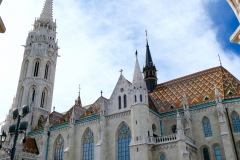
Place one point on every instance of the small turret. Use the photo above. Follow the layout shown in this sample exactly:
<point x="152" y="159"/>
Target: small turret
<point x="150" y="72"/>
<point x="138" y="85"/>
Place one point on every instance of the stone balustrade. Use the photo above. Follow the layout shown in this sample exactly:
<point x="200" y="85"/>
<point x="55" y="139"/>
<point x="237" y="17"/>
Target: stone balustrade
<point x="163" y="139"/>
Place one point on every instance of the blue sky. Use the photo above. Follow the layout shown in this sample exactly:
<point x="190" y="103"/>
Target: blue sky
<point x="224" y="20"/>
<point x="98" y="38"/>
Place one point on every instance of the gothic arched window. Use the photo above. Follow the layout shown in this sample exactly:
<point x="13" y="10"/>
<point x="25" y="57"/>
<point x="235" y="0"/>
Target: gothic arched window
<point x="140" y="98"/>
<point x="207" y="127"/>
<point x="217" y="152"/>
<point x="135" y="98"/>
<point x="36" y="69"/>
<point x="124" y="138"/>
<point x="46" y="70"/>
<point x="206" y="154"/>
<point x="125" y="101"/>
<point x="43" y="98"/>
<point x="88" y="146"/>
<point x="58" y="148"/>
<point x="235" y="122"/>
<point x="25" y="69"/>
<point x="162" y="157"/>
<point x="119" y="102"/>
<point x="32" y="94"/>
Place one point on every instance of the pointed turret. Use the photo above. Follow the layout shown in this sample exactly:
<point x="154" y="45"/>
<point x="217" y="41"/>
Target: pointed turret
<point x="217" y="94"/>
<point x="47" y="12"/>
<point x="180" y="129"/>
<point x="138" y="85"/>
<point x="138" y="80"/>
<point x="150" y="72"/>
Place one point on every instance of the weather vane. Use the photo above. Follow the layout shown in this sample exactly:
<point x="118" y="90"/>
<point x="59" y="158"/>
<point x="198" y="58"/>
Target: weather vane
<point x="220" y="60"/>
<point x="79" y="90"/>
<point x="146" y="36"/>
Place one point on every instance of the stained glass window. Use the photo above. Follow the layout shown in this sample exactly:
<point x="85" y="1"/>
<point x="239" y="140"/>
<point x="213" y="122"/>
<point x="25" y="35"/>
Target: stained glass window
<point x="88" y="146"/>
<point x="217" y="152"/>
<point x="235" y="122"/>
<point x="124" y="138"/>
<point x="162" y="157"/>
<point x="206" y="153"/>
<point x="59" y="146"/>
<point x="207" y="127"/>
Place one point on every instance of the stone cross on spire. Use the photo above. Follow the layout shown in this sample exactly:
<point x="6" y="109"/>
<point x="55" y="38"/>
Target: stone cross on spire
<point x="47" y="12"/>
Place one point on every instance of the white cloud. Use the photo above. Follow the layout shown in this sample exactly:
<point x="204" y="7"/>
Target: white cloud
<point x="98" y="38"/>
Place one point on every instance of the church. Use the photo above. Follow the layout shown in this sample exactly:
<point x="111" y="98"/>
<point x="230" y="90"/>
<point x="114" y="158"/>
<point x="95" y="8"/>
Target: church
<point x="195" y="117"/>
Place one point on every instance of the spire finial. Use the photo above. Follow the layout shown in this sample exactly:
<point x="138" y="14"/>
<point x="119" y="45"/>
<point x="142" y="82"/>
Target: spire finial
<point x="121" y="71"/>
<point x="136" y="53"/>
<point x="53" y="108"/>
<point x="220" y="60"/>
<point x="47" y="12"/>
<point x="146" y="37"/>
<point x="101" y="93"/>
<point x="79" y="90"/>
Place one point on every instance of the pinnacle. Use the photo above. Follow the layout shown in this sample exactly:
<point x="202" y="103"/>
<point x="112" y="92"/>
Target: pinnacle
<point x="47" y="12"/>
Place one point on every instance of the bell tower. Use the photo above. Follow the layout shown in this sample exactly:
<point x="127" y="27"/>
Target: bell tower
<point x="36" y="81"/>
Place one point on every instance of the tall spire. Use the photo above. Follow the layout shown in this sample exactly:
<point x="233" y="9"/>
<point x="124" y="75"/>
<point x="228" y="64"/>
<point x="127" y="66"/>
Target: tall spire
<point x="47" y="12"/>
<point x="137" y="77"/>
<point x="149" y="61"/>
<point x="150" y="72"/>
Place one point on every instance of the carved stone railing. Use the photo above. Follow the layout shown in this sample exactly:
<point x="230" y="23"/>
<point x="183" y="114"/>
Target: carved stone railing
<point x="163" y="139"/>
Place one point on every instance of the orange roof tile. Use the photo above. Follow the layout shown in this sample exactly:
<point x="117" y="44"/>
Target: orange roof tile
<point x="198" y="87"/>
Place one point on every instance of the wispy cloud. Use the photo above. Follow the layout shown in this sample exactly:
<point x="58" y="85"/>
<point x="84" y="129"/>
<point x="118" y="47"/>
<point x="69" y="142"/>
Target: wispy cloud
<point x="98" y="38"/>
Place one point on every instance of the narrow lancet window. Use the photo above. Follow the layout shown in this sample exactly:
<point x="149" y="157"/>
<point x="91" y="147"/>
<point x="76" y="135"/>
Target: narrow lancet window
<point x="33" y="94"/>
<point x="46" y="71"/>
<point x="43" y="99"/>
<point x="119" y="102"/>
<point x="140" y="98"/>
<point x="36" y="68"/>
<point x="125" y="101"/>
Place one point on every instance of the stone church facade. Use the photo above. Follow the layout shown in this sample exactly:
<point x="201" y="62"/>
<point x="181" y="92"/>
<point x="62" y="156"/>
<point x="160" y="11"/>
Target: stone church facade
<point x="195" y="117"/>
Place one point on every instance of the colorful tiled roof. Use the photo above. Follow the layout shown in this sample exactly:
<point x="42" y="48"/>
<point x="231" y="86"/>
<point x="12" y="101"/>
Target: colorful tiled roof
<point x="93" y="109"/>
<point x="198" y="87"/>
<point x="30" y="146"/>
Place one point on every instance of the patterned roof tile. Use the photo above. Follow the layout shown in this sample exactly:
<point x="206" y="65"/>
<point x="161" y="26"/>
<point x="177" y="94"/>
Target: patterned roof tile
<point x="198" y="87"/>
